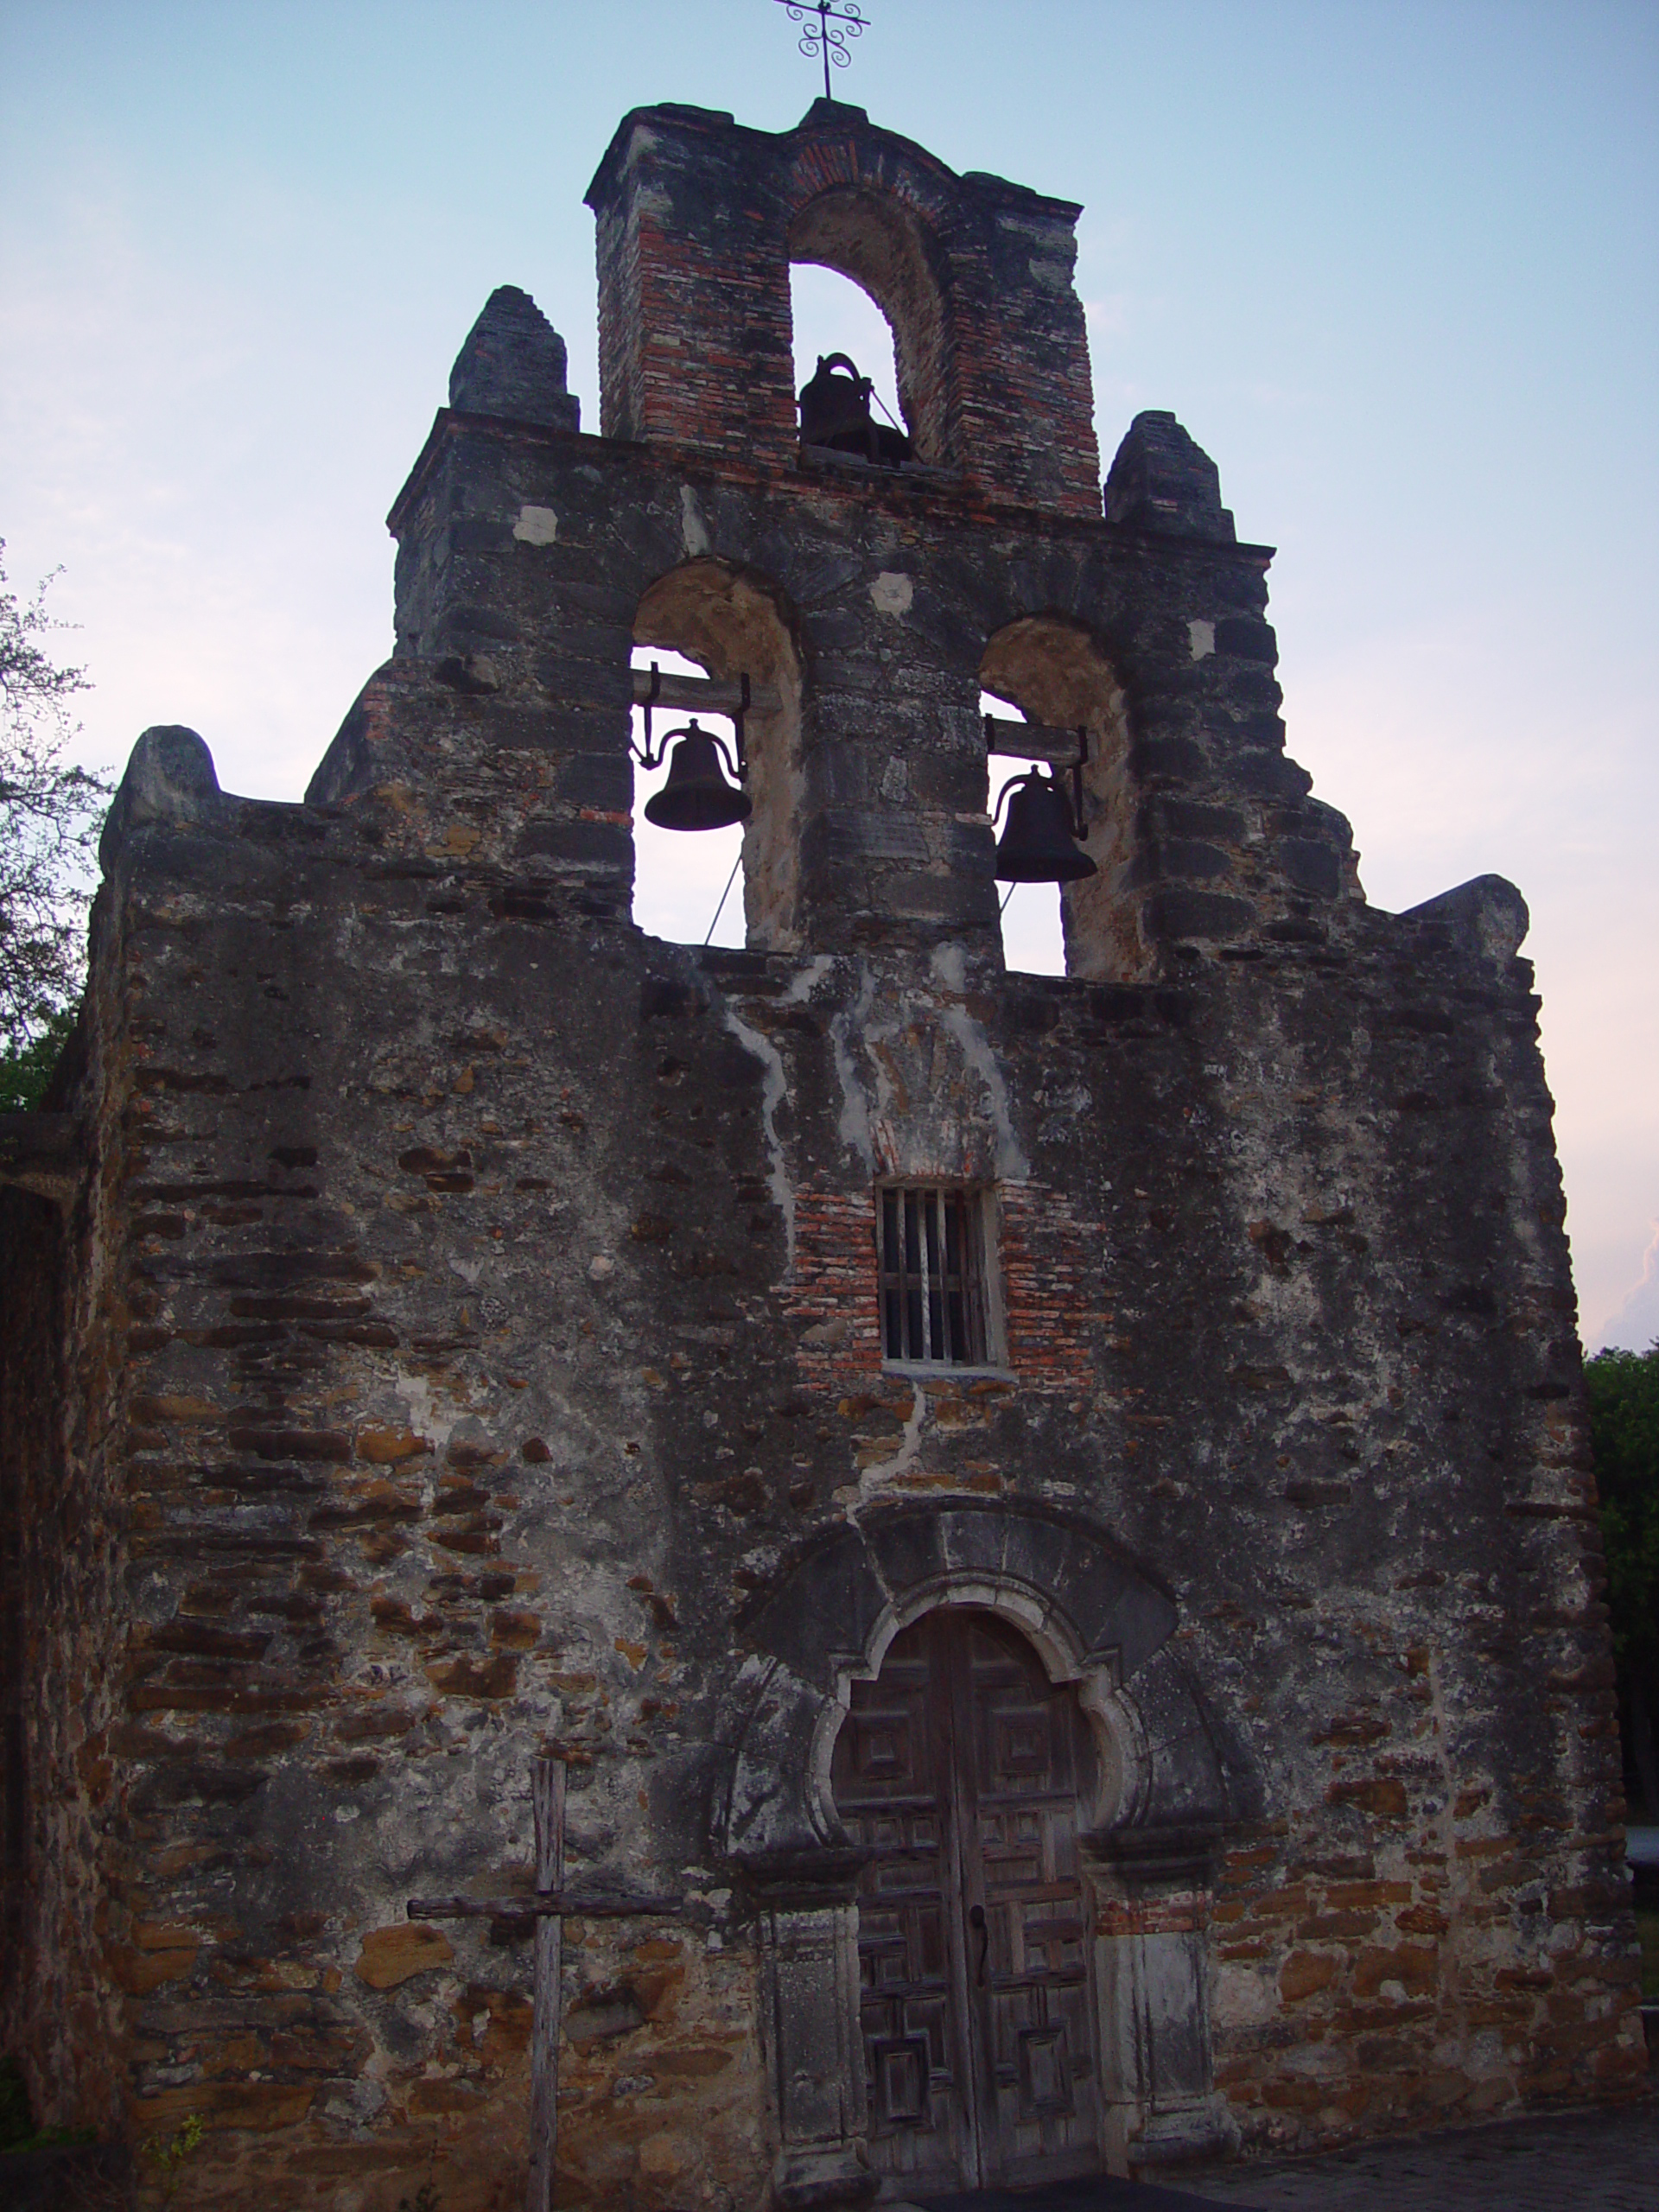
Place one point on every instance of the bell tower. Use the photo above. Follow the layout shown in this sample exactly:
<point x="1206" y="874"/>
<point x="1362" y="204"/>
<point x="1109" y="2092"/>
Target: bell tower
<point x="698" y="221"/>
<point x="1035" y="1532"/>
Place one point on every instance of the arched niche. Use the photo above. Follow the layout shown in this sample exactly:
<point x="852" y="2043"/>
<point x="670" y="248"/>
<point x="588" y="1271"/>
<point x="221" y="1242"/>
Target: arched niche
<point x="734" y="623"/>
<point x="1054" y="671"/>
<point x="876" y="242"/>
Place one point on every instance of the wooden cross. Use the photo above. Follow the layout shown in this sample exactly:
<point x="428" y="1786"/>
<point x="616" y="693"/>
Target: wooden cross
<point x="549" y="1904"/>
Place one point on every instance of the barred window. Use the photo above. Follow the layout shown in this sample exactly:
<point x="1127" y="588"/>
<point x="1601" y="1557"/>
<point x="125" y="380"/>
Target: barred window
<point x="936" y="1302"/>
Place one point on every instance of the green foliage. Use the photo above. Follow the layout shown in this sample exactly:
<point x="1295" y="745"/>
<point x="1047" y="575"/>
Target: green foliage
<point x="17" y="2120"/>
<point x="1625" y="1428"/>
<point x="49" y="815"/>
<point x="425" y="2199"/>
<point x="25" y="1070"/>
<point x="166" y="2160"/>
<point x="17" y="2128"/>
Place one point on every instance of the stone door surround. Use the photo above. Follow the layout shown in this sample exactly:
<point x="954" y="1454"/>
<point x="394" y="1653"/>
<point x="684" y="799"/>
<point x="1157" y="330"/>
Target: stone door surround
<point x="1172" y="1778"/>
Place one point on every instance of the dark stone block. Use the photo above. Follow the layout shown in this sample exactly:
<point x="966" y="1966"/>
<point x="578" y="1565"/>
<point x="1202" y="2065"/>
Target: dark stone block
<point x="825" y="1609"/>
<point x="953" y="901"/>
<point x="1187" y="857"/>
<point x="601" y="779"/>
<point x="976" y="1540"/>
<point x="466" y="622"/>
<point x="1312" y="866"/>
<point x="907" y="1549"/>
<point x="583" y="844"/>
<point x="1184" y="817"/>
<point x="846" y="838"/>
<point x="663" y="999"/>
<point x="1172" y="913"/>
<point x="1269" y="775"/>
<point x="1247" y="639"/>
<point x="1180" y="759"/>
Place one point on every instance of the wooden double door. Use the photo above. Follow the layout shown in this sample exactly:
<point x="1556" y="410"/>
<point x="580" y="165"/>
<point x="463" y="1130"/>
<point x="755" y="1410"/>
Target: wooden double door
<point x="961" y="1769"/>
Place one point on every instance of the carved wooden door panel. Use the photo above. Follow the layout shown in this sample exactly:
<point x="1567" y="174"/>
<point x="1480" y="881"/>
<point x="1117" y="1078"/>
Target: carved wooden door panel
<point x="960" y="1768"/>
<point x="892" y="1779"/>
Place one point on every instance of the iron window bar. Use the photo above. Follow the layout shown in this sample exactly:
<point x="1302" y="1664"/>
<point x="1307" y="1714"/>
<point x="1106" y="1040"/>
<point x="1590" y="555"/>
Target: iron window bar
<point x="933" y="1276"/>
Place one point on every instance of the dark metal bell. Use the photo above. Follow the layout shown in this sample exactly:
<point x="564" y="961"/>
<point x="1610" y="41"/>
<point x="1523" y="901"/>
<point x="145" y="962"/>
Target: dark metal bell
<point x="1040" y="843"/>
<point x="836" y="414"/>
<point x="696" y="795"/>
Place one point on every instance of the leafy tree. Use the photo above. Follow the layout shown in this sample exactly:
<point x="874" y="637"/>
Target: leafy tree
<point x="25" y="1072"/>
<point x="1624" y="1429"/>
<point x="50" y="815"/>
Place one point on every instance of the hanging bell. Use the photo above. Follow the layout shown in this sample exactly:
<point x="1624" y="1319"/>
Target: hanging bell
<point x="697" y="795"/>
<point x="1039" y="841"/>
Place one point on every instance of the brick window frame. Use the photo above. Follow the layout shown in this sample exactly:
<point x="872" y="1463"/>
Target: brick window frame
<point x="938" y="1297"/>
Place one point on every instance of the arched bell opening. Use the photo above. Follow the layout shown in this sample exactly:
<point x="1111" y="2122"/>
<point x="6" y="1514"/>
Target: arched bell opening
<point x="731" y="624"/>
<point x="1052" y="669"/>
<point x="876" y="244"/>
<point x="969" y="1771"/>
<point x="688" y="882"/>
<point x="1034" y="932"/>
<point x="840" y="334"/>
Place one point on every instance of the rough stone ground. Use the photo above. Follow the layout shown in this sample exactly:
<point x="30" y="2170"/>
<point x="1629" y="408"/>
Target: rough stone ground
<point x="1577" y="2162"/>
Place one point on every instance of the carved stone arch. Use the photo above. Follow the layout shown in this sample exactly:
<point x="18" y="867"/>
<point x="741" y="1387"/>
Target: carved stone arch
<point x="1098" y="1618"/>
<point x="874" y="238"/>
<point x="1055" y="669"/>
<point x="736" y="621"/>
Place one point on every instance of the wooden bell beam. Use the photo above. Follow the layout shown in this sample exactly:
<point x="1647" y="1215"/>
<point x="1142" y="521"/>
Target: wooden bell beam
<point x="702" y="695"/>
<point x="1034" y="742"/>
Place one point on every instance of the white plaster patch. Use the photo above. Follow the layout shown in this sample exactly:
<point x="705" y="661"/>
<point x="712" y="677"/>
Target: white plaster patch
<point x="424" y="1419"/>
<point x="772" y="1093"/>
<point x="910" y="1445"/>
<point x="1011" y="1162"/>
<point x="693" y="530"/>
<point x="855" y="1121"/>
<point x="949" y="965"/>
<point x="892" y="592"/>
<point x="1201" y="636"/>
<point x="535" y="526"/>
<point x="1241" y="2000"/>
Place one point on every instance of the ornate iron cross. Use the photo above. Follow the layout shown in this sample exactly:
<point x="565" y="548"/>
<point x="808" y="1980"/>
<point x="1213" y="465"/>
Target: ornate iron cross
<point x="835" y="26"/>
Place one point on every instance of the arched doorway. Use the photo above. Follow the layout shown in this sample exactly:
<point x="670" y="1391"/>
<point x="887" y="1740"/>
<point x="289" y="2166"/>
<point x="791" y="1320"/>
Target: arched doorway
<point x="962" y="1769"/>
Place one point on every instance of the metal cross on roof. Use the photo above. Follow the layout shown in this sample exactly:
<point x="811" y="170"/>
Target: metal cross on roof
<point x="828" y="38"/>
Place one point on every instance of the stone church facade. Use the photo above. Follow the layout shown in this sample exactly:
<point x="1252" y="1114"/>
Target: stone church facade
<point x="1046" y="1520"/>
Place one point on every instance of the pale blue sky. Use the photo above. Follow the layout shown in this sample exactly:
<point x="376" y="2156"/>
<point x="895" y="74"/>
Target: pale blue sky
<point x="1393" y="265"/>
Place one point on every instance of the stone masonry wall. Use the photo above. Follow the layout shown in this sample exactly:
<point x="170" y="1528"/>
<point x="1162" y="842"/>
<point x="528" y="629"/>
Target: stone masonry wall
<point x="475" y="1344"/>
<point x="471" y="1399"/>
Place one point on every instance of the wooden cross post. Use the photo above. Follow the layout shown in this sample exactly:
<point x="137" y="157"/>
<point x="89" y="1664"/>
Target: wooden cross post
<point x="549" y="1904"/>
<point x="547" y="1799"/>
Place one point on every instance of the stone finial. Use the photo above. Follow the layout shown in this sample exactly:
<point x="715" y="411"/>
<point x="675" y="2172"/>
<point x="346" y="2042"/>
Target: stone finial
<point x="1488" y="914"/>
<point x="1162" y="480"/>
<point x="513" y="364"/>
<point x="170" y="782"/>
